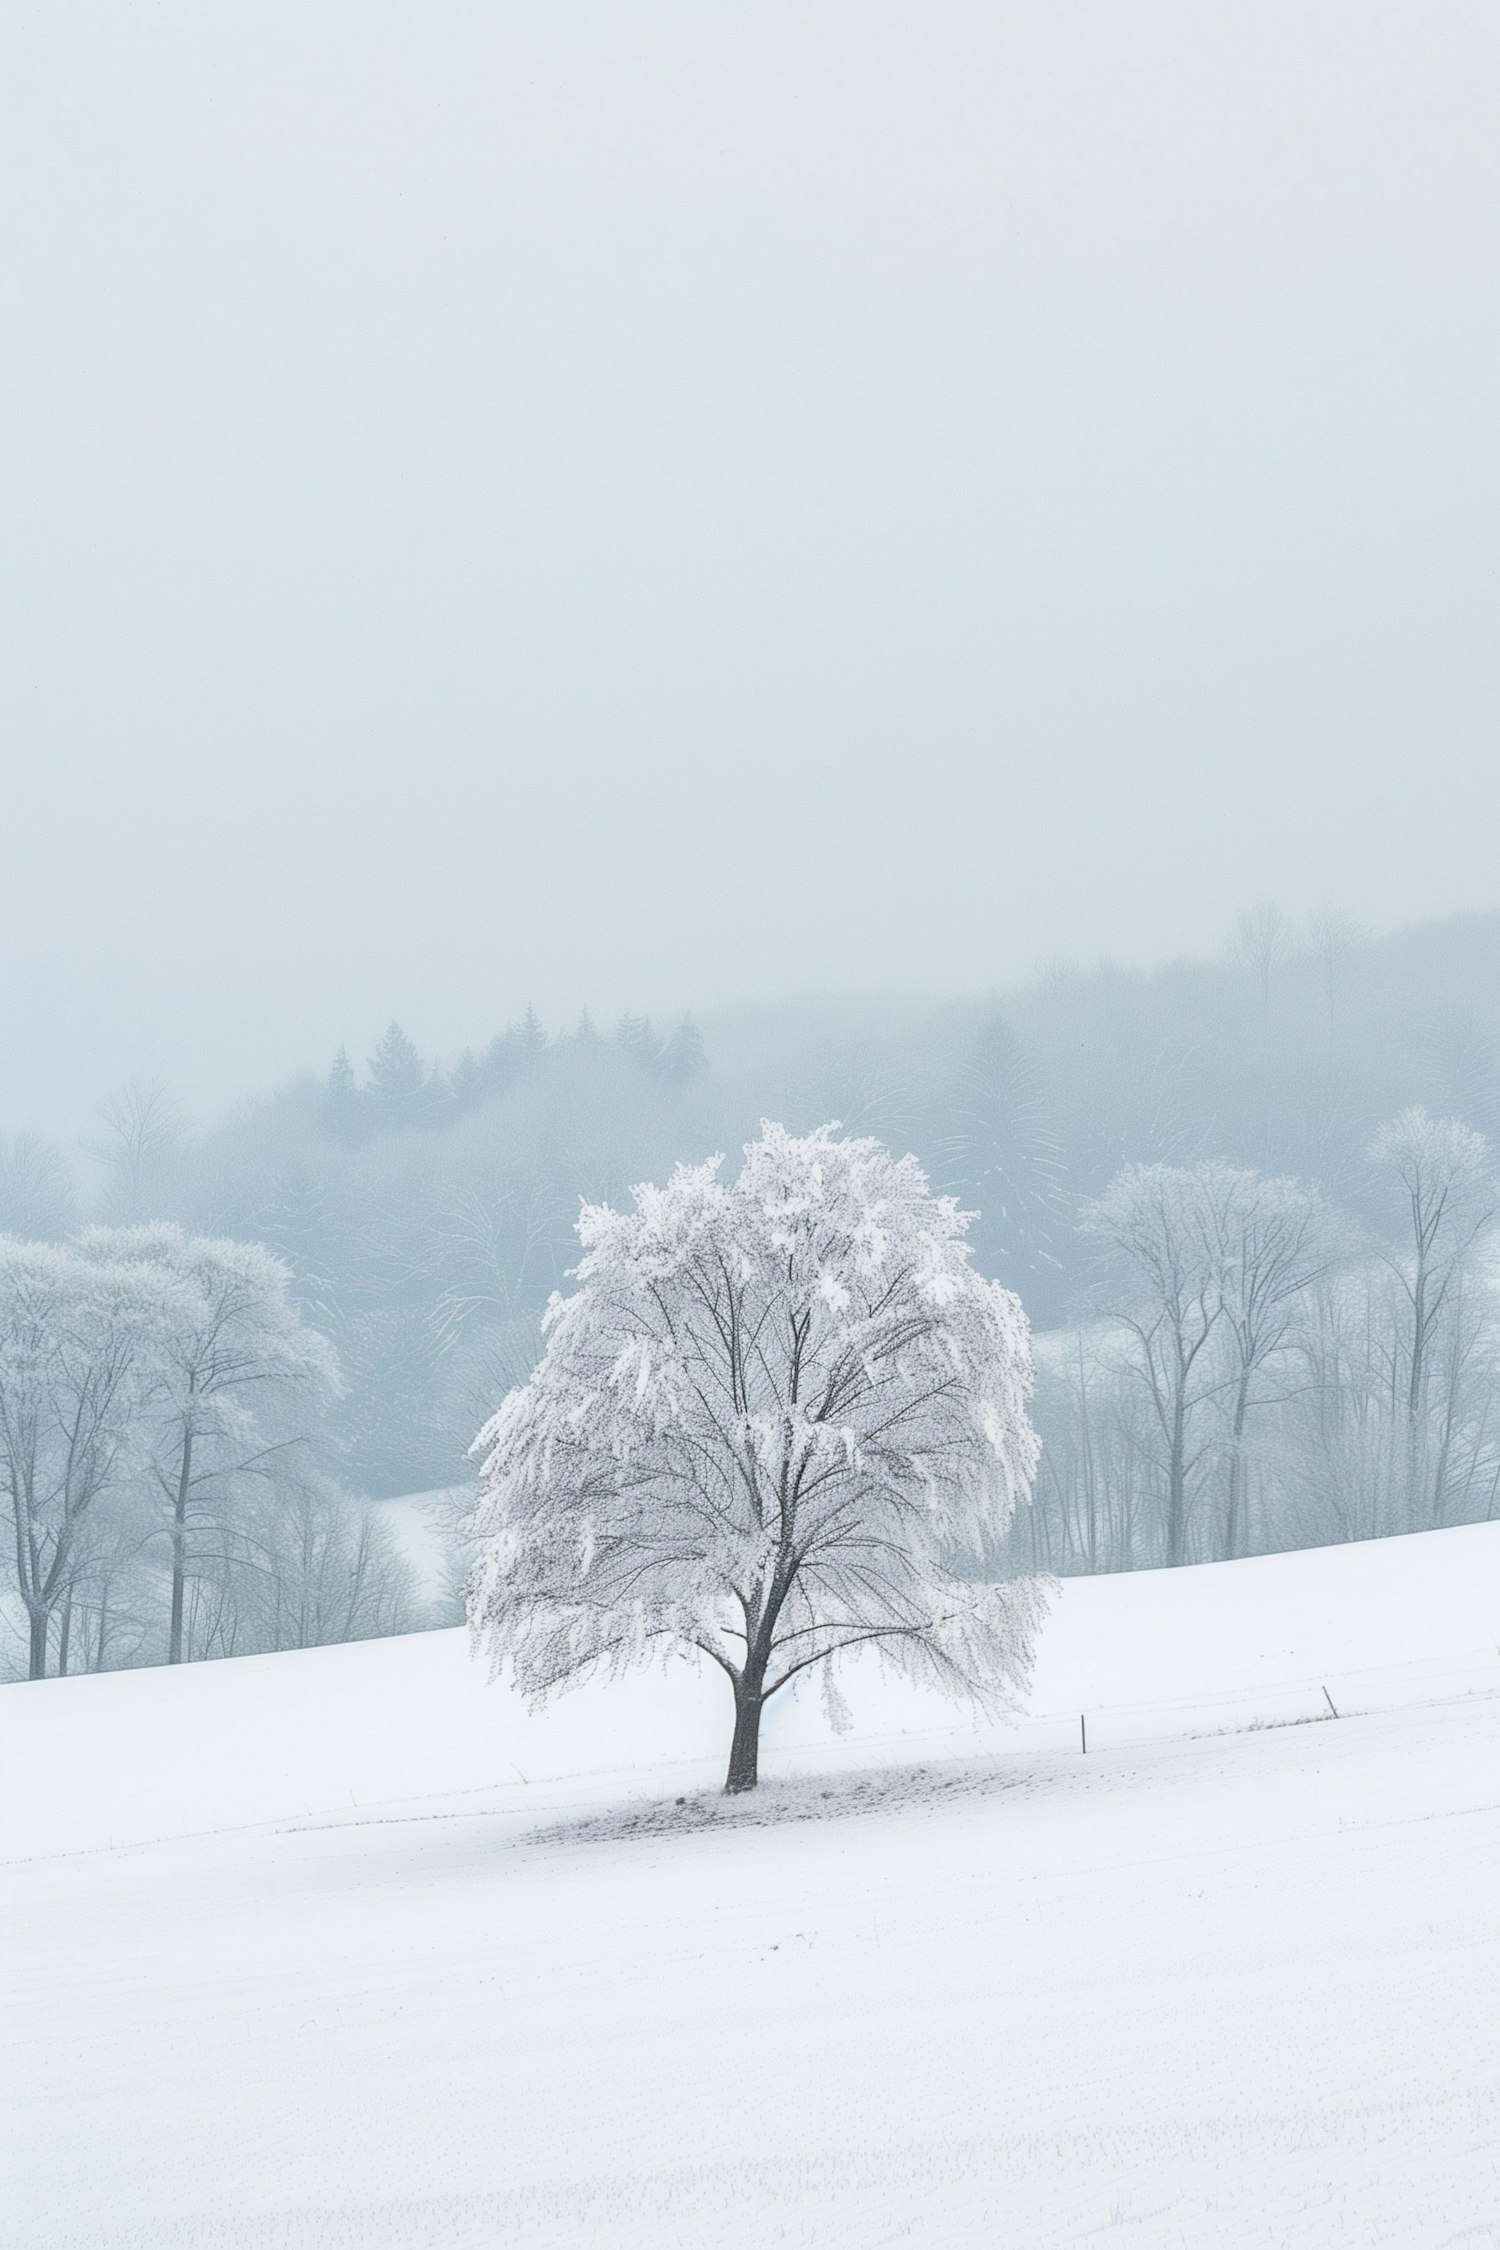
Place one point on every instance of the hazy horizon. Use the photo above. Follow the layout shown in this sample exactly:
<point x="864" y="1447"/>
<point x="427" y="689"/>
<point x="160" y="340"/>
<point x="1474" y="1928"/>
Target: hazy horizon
<point x="847" y="1014"/>
<point x="668" y="511"/>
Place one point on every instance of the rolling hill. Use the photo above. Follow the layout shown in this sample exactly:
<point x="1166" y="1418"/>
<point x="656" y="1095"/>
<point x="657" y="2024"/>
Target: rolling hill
<point x="344" y="1948"/>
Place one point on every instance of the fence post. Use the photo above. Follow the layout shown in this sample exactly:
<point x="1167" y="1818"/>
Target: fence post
<point x="1083" y="1734"/>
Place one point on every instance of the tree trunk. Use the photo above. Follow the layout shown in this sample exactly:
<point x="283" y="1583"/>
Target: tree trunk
<point x="1177" y="1487"/>
<point x="179" y="1540"/>
<point x="64" y="1634"/>
<point x="1417" y="1518"/>
<point x="744" y="1750"/>
<point x="1235" y="1528"/>
<point x="37" y="1669"/>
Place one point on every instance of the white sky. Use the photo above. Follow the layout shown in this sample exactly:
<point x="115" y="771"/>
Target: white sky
<point x="652" y="504"/>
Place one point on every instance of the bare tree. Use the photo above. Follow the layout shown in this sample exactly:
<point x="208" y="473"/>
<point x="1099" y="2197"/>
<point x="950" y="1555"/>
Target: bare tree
<point x="230" y="1344"/>
<point x="115" y="1600"/>
<point x="143" y="1134"/>
<point x="1436" y="1179"/>
<point x="1264" y="941"/>
<point x="1273" y="1240"/>
<point x="74" y="1336"/>
<point x="1156" y="1228"/>
<point x="1334" y="940"/>
<point x="1091" y="1509"/>
<point x="303" y="1564"/>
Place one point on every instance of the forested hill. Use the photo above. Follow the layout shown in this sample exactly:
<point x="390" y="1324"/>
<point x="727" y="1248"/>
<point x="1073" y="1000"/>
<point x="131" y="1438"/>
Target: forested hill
<point x="427" y="1208"/>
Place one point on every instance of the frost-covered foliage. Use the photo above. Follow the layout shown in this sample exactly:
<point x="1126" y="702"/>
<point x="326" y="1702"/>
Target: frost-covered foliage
<point x="75" y="1349"/>
<point x="428" y="1215"/>
<point x="772" y="1423"/>
<point x="427" y="1210"/>
<point x="1205" y="1266"/>
<point x="231" y="1353"/>
<point x="1262" y="1375"/>
<point x="161" y="1407"/>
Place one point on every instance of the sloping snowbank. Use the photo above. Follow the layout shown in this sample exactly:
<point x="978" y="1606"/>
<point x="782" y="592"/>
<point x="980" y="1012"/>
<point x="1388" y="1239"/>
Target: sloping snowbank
<point x="1233" y="1993"/>
<point x="127" y="1757"/>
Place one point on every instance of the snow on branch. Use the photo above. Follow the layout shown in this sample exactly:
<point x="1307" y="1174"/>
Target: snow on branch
<point x="774" y="1421"/>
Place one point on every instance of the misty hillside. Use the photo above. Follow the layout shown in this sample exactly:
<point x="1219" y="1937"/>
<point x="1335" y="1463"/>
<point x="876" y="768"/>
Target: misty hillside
<point x="427" y="1209"/>
<point x="750" y="1126"/>
<point x="1279" y="1121"/>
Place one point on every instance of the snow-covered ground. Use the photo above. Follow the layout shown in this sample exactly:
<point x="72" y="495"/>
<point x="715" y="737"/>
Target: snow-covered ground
<point x="343" y="1948"/>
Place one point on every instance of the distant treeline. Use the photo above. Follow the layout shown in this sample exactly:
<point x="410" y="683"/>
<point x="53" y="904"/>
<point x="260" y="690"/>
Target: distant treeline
<point x="426" y="1211"/>
<point x="164" y="1465"/>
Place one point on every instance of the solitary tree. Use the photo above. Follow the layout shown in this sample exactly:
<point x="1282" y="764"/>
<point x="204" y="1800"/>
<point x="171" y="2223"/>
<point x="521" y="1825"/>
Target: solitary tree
<point x="771" y="1424"/>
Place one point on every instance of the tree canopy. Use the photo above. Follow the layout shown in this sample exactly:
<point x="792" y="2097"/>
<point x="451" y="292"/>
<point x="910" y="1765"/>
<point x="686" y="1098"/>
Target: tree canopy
<point x="773" y="1422"/>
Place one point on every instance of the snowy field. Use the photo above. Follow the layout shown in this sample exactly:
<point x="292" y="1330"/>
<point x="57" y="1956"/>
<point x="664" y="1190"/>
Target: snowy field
<point x="343" y="1949"/>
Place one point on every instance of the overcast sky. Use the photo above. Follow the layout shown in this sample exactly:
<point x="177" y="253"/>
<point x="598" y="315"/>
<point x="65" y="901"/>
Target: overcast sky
<point x="655" y="504"/>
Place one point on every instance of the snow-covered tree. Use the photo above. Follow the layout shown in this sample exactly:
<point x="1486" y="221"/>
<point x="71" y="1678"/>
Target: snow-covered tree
<point x="1207" y="1268"/>
<point x="1437" y="1180"/>
<point x="75" y="1338"/>
<point x="772" y="1423"/>
<point x="1274" y="1240"/>
<point x="231" y="1350"/>
<point x="1155" y="1226"/>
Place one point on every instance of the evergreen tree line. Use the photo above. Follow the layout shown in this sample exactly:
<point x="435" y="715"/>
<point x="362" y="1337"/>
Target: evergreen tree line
<point x="400" y="1090"/>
